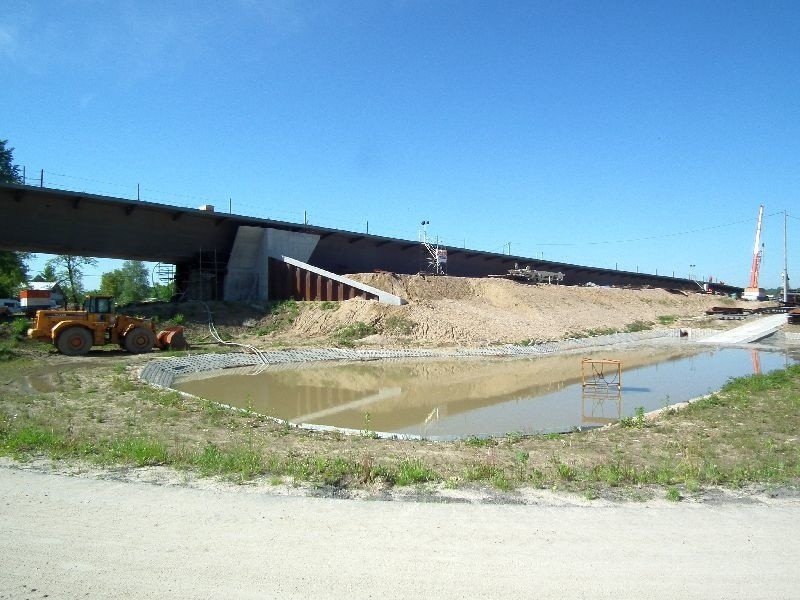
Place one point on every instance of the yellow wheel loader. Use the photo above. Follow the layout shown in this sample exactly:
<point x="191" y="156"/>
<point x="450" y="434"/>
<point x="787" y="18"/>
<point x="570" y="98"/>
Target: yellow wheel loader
<point x="74" y="332"/>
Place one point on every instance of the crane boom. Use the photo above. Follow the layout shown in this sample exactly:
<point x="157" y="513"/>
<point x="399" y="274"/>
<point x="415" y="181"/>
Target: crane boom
<point x="753" y="292"/>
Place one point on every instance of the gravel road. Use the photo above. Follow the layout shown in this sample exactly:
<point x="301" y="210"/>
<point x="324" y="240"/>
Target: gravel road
<point x="84" y="537"/>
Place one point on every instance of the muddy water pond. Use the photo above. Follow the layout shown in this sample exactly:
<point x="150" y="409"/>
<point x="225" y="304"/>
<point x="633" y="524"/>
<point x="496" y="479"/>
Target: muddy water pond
<point x="445" y="399"/>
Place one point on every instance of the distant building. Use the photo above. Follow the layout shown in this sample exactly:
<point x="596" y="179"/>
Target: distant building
<point x="56" y="293"/>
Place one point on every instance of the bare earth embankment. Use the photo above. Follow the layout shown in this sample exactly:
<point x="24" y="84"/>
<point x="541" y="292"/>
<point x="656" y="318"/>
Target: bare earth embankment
<point x="460" y="311"/>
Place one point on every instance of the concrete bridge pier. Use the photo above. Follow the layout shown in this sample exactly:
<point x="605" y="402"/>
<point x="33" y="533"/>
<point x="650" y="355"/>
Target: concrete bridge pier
<point x="247" y="278"/>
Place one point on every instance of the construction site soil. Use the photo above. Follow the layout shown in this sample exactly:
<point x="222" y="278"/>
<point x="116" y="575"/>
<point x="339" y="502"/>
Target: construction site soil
<point x="460" y="311"/>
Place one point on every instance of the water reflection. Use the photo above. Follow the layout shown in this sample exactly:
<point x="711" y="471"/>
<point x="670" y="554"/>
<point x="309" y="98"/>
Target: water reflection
<point x="600" y="405"/>
<point x="456" y="398"/>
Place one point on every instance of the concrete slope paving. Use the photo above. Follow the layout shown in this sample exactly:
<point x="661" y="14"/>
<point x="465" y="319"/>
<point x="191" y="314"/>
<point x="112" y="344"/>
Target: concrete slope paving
<point x="749" y="332"/>
<point x="76" y="537"/>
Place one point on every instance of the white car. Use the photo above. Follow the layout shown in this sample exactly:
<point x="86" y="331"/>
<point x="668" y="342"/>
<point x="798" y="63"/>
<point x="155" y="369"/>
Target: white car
<point x="8" y="306"/>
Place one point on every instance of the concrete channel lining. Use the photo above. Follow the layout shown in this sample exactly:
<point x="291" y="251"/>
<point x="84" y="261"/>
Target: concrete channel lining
<point x="164" y="372"/>
<point x="749" y="332"/>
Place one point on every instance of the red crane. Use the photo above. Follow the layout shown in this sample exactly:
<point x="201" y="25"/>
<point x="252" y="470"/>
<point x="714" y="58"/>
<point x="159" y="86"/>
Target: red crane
<point x="753" y="292"/>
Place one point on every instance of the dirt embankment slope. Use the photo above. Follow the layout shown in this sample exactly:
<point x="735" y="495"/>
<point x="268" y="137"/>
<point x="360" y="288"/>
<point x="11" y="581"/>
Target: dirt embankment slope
<point x="477" y="311"/>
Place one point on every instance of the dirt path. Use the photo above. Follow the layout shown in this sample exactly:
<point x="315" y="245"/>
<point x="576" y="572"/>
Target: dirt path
<point x="71" y="537"/>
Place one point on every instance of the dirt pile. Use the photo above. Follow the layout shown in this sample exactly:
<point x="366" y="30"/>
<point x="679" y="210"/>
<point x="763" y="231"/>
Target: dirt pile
<point x="478" y="311"/>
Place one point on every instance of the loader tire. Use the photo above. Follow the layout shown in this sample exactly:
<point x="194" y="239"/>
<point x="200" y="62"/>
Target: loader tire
<point x="74" y="341"/>
<point x="139" y="340"/>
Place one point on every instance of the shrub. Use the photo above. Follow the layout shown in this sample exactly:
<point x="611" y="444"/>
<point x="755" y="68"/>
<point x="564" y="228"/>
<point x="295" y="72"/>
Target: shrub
<point x="348" y="334"/>
<point x="399" y="325"/>
<point x="637" y="326"/>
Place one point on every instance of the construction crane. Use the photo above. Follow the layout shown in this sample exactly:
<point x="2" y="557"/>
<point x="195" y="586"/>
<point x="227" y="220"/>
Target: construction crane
<point x="752" y="291"/>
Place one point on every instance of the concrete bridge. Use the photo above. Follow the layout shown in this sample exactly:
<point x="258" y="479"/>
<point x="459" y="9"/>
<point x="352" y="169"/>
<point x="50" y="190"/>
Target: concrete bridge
<point x="225" y="256"/>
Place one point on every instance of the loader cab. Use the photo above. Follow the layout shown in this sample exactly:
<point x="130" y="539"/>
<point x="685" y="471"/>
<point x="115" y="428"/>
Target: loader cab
<point x="99" y="304"/>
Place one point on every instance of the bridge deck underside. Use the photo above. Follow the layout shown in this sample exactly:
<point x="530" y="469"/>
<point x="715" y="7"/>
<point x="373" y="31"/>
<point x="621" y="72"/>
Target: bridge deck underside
<point x="62" y="222"/>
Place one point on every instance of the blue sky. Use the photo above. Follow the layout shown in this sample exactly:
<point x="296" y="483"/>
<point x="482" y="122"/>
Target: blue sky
<point x="642" y="135"/>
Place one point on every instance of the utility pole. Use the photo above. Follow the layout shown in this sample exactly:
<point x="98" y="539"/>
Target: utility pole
<point x="785" y="264"/>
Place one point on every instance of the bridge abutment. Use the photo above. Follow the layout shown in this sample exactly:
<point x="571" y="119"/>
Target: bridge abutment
<point x="247" y="277"/>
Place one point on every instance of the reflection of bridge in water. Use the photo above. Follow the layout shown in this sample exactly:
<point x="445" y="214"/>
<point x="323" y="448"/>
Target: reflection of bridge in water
<point x="405" y="395"/>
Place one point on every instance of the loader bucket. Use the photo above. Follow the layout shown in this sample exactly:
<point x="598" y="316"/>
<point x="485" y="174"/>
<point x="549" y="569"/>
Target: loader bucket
<point x="172" y="338"/>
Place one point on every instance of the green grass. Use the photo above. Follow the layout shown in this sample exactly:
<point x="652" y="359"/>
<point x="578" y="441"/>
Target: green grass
<point x="31" y="438"/>
<point x="411" y="472"/>
<point x="744" y="433"/>
<point x="577" y="335"/>
<point x="35" y="439"/>
<point x="347" y="335"/>
<point x="398" y="325"/>
<point x="494" y="475"/>
<point x="480" y="442"/>
<point x="289" y="308"/>
<point x="238" y="461"/>
<point x="673" y="495"/>
<point x="140" y="451"/>
<point x="666" y="319"/>
<point x="601" y="331"/>
<point x="514" y="437"/>
<point x="638" y="326"/>
<point x="282" y="314"/>
<point x="635" y="421"/>
<point x="8" y="352"/>
<point x="12" y="336"/>
<point x="777" y="380"/>
<point x="19" y="327"/>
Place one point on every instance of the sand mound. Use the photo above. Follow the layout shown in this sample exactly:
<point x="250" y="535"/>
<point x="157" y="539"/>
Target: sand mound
<point x="478" y="311"/>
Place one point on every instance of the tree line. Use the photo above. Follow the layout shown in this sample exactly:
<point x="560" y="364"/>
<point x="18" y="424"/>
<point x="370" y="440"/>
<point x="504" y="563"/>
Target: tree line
<point x="128" y="284"/>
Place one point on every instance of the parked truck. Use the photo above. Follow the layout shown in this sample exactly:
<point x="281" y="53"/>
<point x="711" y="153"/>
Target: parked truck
<point x="74" y="332"/>
<point x="32" y="300"/>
